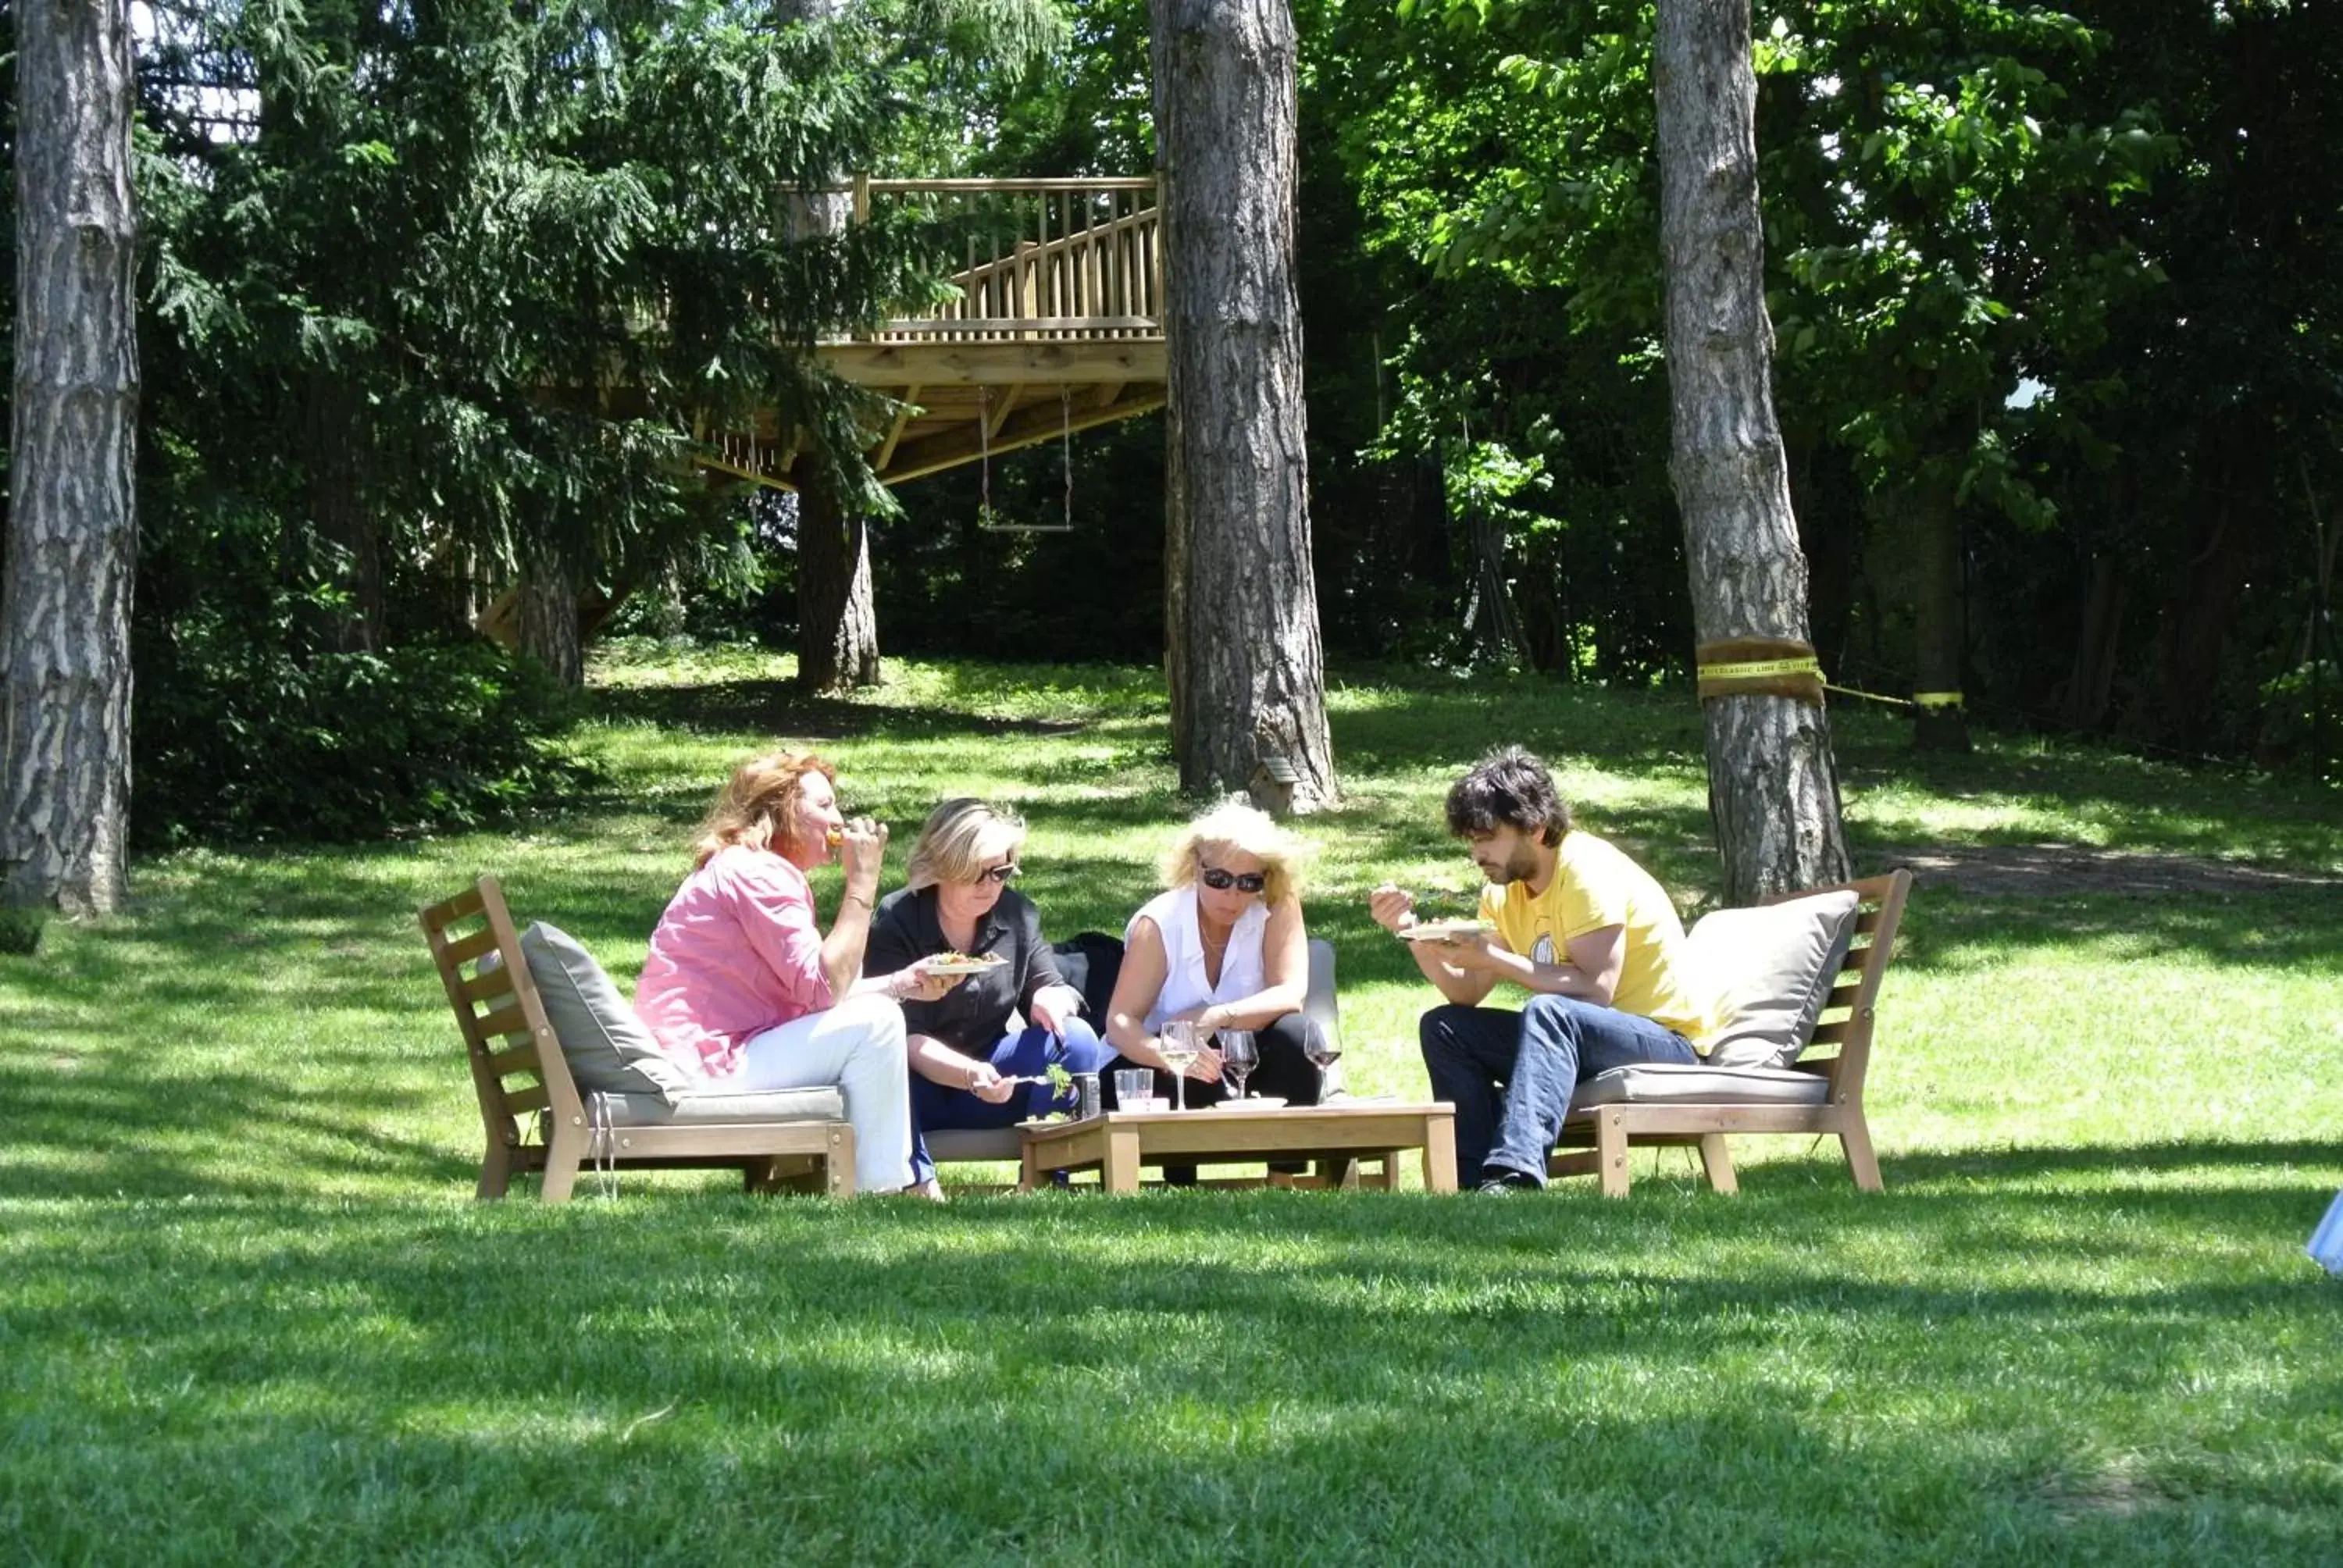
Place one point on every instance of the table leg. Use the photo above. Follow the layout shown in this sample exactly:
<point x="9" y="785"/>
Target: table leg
<point x="1440" y="1153"/>
<point x="1119" y="1171"/>
<point x="1028" y="1169"/>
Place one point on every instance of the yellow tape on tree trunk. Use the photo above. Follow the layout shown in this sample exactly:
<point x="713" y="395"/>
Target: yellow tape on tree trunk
<point x="1760" y="669"/>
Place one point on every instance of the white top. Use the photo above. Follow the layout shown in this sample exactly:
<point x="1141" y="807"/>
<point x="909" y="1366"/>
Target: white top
<point x="1242" y="971"/>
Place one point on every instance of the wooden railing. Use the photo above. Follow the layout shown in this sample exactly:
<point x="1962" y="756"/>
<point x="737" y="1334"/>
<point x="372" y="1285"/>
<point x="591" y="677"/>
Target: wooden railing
<point x="1044" y="260"/>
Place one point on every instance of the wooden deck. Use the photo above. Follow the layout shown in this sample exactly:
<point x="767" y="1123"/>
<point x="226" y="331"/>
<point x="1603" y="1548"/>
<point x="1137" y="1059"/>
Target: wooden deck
<point x="1053" y="325"/>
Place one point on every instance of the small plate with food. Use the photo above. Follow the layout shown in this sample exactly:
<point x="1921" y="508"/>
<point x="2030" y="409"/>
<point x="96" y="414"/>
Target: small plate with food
<point x="1446" y="930"/>
<point x="962" y="963"/>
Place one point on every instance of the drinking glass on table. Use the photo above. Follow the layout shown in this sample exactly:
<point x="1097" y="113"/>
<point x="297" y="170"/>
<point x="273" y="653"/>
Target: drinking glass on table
<point x="1320" y="1048"/>
<point x="1239" y="1056"/>
<point x="1181" y="1043"/>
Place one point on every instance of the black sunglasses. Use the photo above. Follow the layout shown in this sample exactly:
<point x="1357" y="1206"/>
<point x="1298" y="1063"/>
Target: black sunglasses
<point x="1243" y="881"/>
<point x="1001" y="873"/>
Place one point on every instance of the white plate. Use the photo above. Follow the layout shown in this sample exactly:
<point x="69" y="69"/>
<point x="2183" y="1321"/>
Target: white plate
<point x="1446" y="930"/>
<point x="971" y="966"/>
<point x="1258" y="1103"/>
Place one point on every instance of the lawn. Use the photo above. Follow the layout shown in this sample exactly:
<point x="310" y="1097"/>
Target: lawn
<point x="248" y="1311"/>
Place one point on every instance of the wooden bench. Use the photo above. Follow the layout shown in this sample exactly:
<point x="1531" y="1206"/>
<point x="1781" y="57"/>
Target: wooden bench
<point x="536" y="1117"/>
<point x="1822" y="1094"/>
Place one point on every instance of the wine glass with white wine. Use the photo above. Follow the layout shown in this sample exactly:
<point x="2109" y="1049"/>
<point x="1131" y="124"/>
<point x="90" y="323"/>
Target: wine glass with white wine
<point x="1180" y="1044"/>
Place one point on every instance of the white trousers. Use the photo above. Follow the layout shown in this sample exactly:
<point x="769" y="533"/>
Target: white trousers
<point x="856" y="1045"/>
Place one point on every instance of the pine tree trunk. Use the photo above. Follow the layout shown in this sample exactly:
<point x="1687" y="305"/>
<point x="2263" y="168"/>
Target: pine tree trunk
<point x="838" y="613"/>
<point x="545" y="627"/>
<point x="335" y="436"/>
<point x="837" y="620"/>
<point x="65" y="615"/>
<point x="1772" y="788"/>
<point x="1240" y="613"/>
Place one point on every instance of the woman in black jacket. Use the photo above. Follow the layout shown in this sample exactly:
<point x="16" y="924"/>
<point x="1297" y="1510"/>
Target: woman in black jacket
<point x="970" y="1067"/>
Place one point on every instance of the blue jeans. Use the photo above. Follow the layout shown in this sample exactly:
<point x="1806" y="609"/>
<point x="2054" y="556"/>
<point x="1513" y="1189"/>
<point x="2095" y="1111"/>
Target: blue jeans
<point x="1025" y="1054"/>
<point x="1510" y="1074"/>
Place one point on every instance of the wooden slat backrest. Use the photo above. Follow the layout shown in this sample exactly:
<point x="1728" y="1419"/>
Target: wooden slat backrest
<point x="1850" y="1014"/>
<point x="506" y="1032"/>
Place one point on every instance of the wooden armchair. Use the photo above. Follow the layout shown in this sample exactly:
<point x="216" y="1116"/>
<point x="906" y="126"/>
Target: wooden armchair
<point x="1821" y="1094"/>
<point x="535" y="1119"/>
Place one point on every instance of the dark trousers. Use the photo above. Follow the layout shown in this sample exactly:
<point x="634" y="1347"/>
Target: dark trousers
<point x="1027" y="1053"/>
<point x="1285" y="1069"/>
<point x="1510" y="1074"/>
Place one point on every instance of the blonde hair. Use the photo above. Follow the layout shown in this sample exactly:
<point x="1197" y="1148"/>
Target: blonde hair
<point x="1246" y="830"/>
<point x="758" y="801"/>
<point x="958" y="837"/>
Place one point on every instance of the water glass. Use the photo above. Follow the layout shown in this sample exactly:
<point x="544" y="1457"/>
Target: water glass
<point x="1134" y="1087"/>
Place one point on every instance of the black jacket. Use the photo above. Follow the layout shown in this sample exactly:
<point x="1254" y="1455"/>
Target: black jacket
<point x="974" y="1014"/>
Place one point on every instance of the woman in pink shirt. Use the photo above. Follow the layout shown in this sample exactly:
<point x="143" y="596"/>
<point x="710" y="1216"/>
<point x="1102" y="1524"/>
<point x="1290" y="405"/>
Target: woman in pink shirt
<point x="744" y="989"/>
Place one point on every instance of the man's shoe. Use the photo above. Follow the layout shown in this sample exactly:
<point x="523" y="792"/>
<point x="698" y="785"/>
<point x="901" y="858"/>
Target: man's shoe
<point x="1509" y="1182"/>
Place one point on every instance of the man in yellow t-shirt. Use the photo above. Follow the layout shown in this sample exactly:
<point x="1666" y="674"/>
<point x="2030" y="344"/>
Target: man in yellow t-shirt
<point x="1579" y="925"/>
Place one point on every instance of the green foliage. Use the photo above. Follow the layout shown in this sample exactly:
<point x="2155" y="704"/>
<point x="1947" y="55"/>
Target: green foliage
<point x="20" y="930"/>
<point x="239" y="741"/>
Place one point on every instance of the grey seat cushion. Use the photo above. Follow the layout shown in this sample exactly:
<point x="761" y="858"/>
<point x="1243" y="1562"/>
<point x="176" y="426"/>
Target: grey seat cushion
<point x="1768" y="971"/>
<point x="1696" y="1083"/>
<point x="705" y="1108"/>
<point x="606" y="1046"/>
<point x="948" y="1143"/>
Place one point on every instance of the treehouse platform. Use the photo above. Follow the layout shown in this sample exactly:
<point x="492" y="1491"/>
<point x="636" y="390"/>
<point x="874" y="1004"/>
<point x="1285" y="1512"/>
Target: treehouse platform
<point x="1053" y="325"/>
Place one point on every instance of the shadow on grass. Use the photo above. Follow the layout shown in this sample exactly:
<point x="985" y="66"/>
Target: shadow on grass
<point x="778" y="709"/>
<point x="1198" y="1377"/>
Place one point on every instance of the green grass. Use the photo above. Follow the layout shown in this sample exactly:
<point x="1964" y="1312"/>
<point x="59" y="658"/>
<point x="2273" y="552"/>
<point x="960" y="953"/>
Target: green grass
<point x="248" y="1311"/>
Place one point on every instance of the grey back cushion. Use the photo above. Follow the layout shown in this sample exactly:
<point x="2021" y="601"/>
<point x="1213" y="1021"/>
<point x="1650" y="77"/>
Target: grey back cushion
<point x="1768" y="972"/>
<point x="608" y="1050"/>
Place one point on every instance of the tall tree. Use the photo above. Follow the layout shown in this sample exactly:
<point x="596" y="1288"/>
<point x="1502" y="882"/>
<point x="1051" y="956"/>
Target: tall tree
<point x="64" y="614"/>
<point x="838" y="621"/>
<point x="1240" y="613"/>
<point x="1772" y="788"/>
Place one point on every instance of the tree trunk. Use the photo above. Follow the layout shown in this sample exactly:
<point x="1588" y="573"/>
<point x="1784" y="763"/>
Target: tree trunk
<point x="546" y="623"/>
<point x="1772" y="788"/>
<point x="64" y="614"/>
<point x="1940" y="622"/>
<point x="837" y="620"/>
<point x="838" y="613"/>
<point x="1240" y="611"/>
<point x="335" y="436"/>
<point x="2090" y="685"/>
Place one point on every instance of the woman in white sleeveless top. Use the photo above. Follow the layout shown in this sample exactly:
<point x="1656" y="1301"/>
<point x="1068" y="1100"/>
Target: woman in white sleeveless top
<point x="1224" y="947"/>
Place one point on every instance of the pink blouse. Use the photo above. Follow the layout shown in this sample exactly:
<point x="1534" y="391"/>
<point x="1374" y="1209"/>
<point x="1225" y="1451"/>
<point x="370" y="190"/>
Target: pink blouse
<point x="737" y="952"/>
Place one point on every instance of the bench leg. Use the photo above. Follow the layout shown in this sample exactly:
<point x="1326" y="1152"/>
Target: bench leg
<point x="496" y="1171"/>
<point x="1719" y="1163"/>
<point x="1854" y="1137"/>
<point x="1611" y="1153"/>
<point x="565" y="1151"/>
<point x="838" y="1168"/>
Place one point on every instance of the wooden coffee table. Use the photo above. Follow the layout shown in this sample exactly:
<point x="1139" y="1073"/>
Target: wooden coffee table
<point x="1120" y="1142"/>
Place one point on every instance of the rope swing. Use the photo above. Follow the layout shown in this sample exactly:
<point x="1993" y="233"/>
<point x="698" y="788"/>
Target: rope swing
<point x="987" y="518"/>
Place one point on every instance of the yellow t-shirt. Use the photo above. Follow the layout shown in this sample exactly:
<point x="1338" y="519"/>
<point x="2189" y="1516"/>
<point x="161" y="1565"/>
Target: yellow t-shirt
<point x="1594" y="885"/>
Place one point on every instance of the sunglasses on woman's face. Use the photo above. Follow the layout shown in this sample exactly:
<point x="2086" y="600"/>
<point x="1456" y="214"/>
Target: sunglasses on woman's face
<point x="1220" y="882"/>
<point x="1000" y="873"/>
